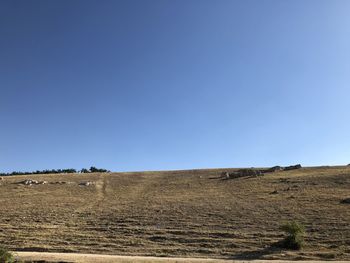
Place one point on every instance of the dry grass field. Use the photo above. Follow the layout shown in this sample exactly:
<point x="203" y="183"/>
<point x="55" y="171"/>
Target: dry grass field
<point x="192" y="213"/>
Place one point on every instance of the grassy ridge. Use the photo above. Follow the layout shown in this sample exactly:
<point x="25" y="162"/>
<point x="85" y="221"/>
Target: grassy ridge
<point x="179" y="213"/>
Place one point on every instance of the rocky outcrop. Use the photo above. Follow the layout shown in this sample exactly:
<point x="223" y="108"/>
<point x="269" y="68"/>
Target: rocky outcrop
<point x="243" y="173"/>
<point x="257" y="172"/>
<point x="88" y="183"/>
<point x="31" y="182"/>
<point x="274" y="169"/>
<point x="292" y="167"/>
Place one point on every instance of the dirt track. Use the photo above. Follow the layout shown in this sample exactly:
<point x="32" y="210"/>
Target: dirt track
<point x="91" y="258"/>
<point x="95" y="258"/>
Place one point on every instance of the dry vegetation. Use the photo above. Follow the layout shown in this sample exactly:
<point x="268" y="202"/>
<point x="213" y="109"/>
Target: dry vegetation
<point x="179" y="213"/>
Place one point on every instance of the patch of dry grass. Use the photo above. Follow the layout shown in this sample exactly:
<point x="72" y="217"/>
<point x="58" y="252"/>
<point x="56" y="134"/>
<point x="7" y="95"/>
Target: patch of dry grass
<point x="179" y="213"/>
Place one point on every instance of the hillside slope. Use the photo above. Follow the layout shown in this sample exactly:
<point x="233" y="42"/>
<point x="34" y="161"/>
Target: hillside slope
<point x="191" y="213"/>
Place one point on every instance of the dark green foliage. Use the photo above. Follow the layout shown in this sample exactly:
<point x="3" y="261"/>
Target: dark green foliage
<point x="96" y="170"/>
<point x="6" y="256"/>
<point x="93" y="170"/>
<point x="295" y="235"/>
<point x="58" y="171"/>
<point x="53" y="171"/>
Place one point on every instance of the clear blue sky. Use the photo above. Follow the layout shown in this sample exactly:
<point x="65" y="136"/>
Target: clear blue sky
<point x="159" y="84"/>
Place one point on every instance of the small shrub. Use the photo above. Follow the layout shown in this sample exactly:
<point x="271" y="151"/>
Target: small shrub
<point x="6" y="256"/>
<point x="345" y="201"/>
<point x="295" y="235"/>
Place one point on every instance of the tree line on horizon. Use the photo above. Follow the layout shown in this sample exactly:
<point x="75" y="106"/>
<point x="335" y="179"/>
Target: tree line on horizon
<point x="92" y="169"/>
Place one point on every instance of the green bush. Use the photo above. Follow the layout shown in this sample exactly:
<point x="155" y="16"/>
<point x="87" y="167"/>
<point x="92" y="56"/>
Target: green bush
<point x="295" y="235"/>
<point x="6" y="256"/>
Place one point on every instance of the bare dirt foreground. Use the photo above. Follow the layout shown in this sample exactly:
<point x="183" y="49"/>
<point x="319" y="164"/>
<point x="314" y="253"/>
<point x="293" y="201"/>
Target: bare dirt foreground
<point x="191" y="214"/>
<point x="94" y="258"/>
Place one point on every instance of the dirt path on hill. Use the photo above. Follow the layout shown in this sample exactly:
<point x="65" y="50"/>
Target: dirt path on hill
<point x="98" y="258"/>
<point x="101" y="188"/>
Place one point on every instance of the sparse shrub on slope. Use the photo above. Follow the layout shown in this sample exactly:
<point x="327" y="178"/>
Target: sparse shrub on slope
<point x="96" y="170"/>
<point x="345" y="201"/>
<point x="295" y="235"/>
<point x="6" y="256"/>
